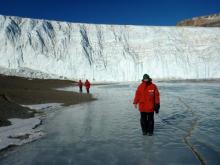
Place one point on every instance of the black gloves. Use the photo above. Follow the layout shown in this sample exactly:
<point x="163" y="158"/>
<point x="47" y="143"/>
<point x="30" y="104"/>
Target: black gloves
<point x="156" y="108"/>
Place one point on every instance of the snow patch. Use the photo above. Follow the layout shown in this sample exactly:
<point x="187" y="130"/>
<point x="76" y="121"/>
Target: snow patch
<point x="30" y="73"/>
<point x="20" y="132"/>
<point x="47" y="106"/>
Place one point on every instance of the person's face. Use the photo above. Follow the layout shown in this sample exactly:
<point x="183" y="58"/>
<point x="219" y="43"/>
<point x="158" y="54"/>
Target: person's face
<point x="145" y="80"/>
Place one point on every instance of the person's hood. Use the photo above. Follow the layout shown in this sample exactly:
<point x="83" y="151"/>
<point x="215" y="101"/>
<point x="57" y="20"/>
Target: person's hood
<point x="150" y="80"/>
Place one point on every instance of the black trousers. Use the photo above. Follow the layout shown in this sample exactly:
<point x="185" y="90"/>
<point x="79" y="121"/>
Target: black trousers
<point x="80" y="89"/>
<point x="87" y="89"/>
<point x="147" y="122"/>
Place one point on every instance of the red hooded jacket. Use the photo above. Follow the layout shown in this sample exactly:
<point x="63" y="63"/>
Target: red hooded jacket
<point x="87" y="84"/>
<point x="146" y="96"/>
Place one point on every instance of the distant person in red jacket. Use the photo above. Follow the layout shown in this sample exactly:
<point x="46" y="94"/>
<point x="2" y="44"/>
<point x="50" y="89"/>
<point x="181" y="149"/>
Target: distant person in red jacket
<point x="87" y="85"/>
<point x="147" y="97"/>
<point x="80" y="84"/>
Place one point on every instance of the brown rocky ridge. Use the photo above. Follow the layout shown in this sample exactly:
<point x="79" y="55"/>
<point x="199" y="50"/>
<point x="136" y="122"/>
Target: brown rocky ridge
<point x="203" y="21"/>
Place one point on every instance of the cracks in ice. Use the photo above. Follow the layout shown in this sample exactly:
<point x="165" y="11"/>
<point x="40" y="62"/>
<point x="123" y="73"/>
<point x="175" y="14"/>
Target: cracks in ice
<point x="101" y="47"/>
<point x="86" y="44"/>
<point x="49" y="30"/>
<point x="13" y="31"/>
<point x="189" y="133"/>
<point x="41" y="41"/>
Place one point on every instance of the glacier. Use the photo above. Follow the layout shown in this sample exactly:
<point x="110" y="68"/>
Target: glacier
<point x="107" y="52"/>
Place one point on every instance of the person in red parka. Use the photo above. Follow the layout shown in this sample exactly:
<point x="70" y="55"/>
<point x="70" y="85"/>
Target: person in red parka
<point x="80" y="84"/>
<point x="147" y="98"/>
<point x="87" y="85"/>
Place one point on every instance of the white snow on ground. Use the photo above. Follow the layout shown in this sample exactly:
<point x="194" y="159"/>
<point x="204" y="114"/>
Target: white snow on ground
<point x="20" y="132"/>
<point x="46" y="106"/>
<point x="27" y="72"/>
<point x="71" y="88"/>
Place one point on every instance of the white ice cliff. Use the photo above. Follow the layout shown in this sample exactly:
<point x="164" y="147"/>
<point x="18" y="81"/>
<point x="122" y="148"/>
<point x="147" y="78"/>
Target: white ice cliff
<point x="107" y="52"/>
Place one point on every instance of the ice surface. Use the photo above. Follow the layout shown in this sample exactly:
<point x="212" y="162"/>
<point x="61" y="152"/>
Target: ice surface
<point x="107" y="131"/>
<point x="107" y="52"/>
<point x="20" y="132"/>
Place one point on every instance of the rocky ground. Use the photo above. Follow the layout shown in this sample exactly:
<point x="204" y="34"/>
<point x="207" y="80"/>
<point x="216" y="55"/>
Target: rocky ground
<point x="16" y="91"/>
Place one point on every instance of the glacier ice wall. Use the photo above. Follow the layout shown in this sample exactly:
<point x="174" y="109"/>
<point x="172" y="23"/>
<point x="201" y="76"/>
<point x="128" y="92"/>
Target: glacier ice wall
<point x="109" y="52"/>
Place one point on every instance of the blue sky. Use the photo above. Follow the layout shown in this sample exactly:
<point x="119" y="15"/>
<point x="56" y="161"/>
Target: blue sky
<point x="132" y="12"/>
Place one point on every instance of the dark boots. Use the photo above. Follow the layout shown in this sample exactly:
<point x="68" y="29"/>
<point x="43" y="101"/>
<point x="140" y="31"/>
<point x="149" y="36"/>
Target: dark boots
<point x="147" y="123"/>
